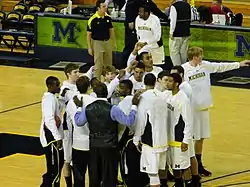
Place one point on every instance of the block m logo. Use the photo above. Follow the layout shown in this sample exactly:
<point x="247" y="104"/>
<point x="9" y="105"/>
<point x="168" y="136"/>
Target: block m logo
<point x="241" y="44"/>
<point x="68" y="32"/>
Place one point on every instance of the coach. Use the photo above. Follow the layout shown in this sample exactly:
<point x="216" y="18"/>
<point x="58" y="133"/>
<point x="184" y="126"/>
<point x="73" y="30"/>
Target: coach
<point x="99" y="32"/>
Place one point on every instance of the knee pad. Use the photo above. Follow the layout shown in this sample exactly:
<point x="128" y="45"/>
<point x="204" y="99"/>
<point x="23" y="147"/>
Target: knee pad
<point x="154" y="179"/>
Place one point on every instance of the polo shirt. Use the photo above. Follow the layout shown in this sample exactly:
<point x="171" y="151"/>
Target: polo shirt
<point x="99" y="26"/>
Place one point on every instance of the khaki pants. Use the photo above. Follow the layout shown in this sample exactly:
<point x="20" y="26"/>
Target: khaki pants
<point x="178" y="47"/>
<point x="102" y="56"/>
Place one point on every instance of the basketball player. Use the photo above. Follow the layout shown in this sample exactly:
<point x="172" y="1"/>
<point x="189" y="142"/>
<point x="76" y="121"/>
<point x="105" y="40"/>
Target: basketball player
<point x="51" y="134"/>
<point x="68" y="90"/>
<point x="151" y="131"/>
<point x="180" y="132"/>
<point x="137" y="77"/>
<point x="146" y="58"/>
<point x="103" y="119"/>
<point x="109" y="73"/>
<point x="197" y="73"/>
<point x="187" y="89"/>
<point x="162" y="80"/>
<point x="80" y="152"/>
<point x="148" y="30"/>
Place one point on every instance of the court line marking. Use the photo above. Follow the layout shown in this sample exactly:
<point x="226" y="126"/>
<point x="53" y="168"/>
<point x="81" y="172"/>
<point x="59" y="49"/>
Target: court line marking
<point x="224" y="176"/>
<point x="234" y="184"/>
<point x="234" y="181"/>
<point x="19" y="107"/>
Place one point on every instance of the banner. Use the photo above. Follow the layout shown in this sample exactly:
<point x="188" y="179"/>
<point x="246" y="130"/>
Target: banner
<point x="218" y="45"/>
<point x="61" y="32"/>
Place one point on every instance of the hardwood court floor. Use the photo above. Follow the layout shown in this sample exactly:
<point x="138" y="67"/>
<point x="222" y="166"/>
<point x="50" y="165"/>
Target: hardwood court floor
<point x="227" y="152"/>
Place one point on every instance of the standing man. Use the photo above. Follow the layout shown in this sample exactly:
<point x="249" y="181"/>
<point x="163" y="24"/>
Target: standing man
<point x="103" y="119"/>
<point x="180" y="132"/>
<point x="149" y="32"/>
<point x="68" y="90"/>
<point x="131" y="11"/>
<point x="51" y="134"/>
<point x="151" y="131"/>
<point x="197" y="73"/>
<point x="80" y="143"/>
<point x="99" y="32"/>
<point x="180" y="17"/>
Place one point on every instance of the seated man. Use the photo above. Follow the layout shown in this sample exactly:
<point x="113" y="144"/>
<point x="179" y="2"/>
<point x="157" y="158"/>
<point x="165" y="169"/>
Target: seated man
<point x="235" y="19"/>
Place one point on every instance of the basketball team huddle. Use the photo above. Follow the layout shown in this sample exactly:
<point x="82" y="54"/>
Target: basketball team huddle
<point x="142" y="123"/>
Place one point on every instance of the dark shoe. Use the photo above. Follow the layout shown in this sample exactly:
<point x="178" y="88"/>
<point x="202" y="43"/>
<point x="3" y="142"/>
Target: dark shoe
<point x="204" y="172"/>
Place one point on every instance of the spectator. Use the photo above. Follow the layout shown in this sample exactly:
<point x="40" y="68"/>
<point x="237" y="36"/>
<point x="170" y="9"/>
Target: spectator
<point x="235" y="19"/>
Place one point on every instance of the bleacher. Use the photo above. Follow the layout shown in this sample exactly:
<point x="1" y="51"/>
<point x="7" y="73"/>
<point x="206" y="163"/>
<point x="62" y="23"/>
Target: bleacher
<point x="17" y="25"/>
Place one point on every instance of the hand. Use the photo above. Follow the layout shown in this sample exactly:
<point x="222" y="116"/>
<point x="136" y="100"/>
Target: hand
<point x="138" y="46"/>
<point x="244" y="63"/>
<point x="133" y="64"/>
<point x="64" y="91"/>
<point x="131" y="25"/>
<point x="78" y="102"/>
<point x="122" y="73"/>
<point x="140" y="91"/>
<point x="142" y="44"/>
<point x="90" y="51"/>
<point x="136" y="99"/>
<point x="59" y="144"/>
<point x="184" y="147"/>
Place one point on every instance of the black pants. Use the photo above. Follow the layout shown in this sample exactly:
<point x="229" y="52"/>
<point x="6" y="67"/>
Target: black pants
<point x="135" y="177"/>
<point x="80" y="162"/>
<point x="103" y="166"/>
<point x="54" y="162"/>
<point x="130" y="41"/>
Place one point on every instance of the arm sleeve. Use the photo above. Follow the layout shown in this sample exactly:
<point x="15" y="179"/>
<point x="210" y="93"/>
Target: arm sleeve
<point x="110" y="25"/>
<point x="80" y="117"/>
<point x="130" y="59"/>
<point x="156" y="32"/>
<point x="118" y="115"/>
<point x="112" y="86"/>
<point x="89" y="26"/>
<point x="140" y="121"/>
<point x="49" y="117"/>
<point x="186" y="114"/>
<point x="222" y="67"/>
<point x="173" y="19"/>
<point x="90" y="73"/>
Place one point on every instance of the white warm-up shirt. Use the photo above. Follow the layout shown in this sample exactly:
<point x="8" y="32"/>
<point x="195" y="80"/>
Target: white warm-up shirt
<point x="148" y="30"/>
<point x="181" y="120"/>
<point x="50" y="109"/>
<point x="152" y="110"/>
<point x="199" y="79"/>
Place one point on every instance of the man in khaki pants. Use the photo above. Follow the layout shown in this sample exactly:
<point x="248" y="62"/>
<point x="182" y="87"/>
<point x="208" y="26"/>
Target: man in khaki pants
<point x="180" y="19"/>
<point x="99" y="32"/>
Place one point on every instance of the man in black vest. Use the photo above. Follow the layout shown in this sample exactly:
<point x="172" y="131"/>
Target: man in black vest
<point x="103" y="119"/>
<point x="180" y="19"/>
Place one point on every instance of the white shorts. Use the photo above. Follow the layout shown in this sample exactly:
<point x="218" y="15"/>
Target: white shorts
<point x="67" y="146"/>
<point x="179" y="160"/>
<point x="191" y="148"/>
<point x="158" y="54"/>
<point x="201" y="124"/>
<point x="151" y="161"/>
